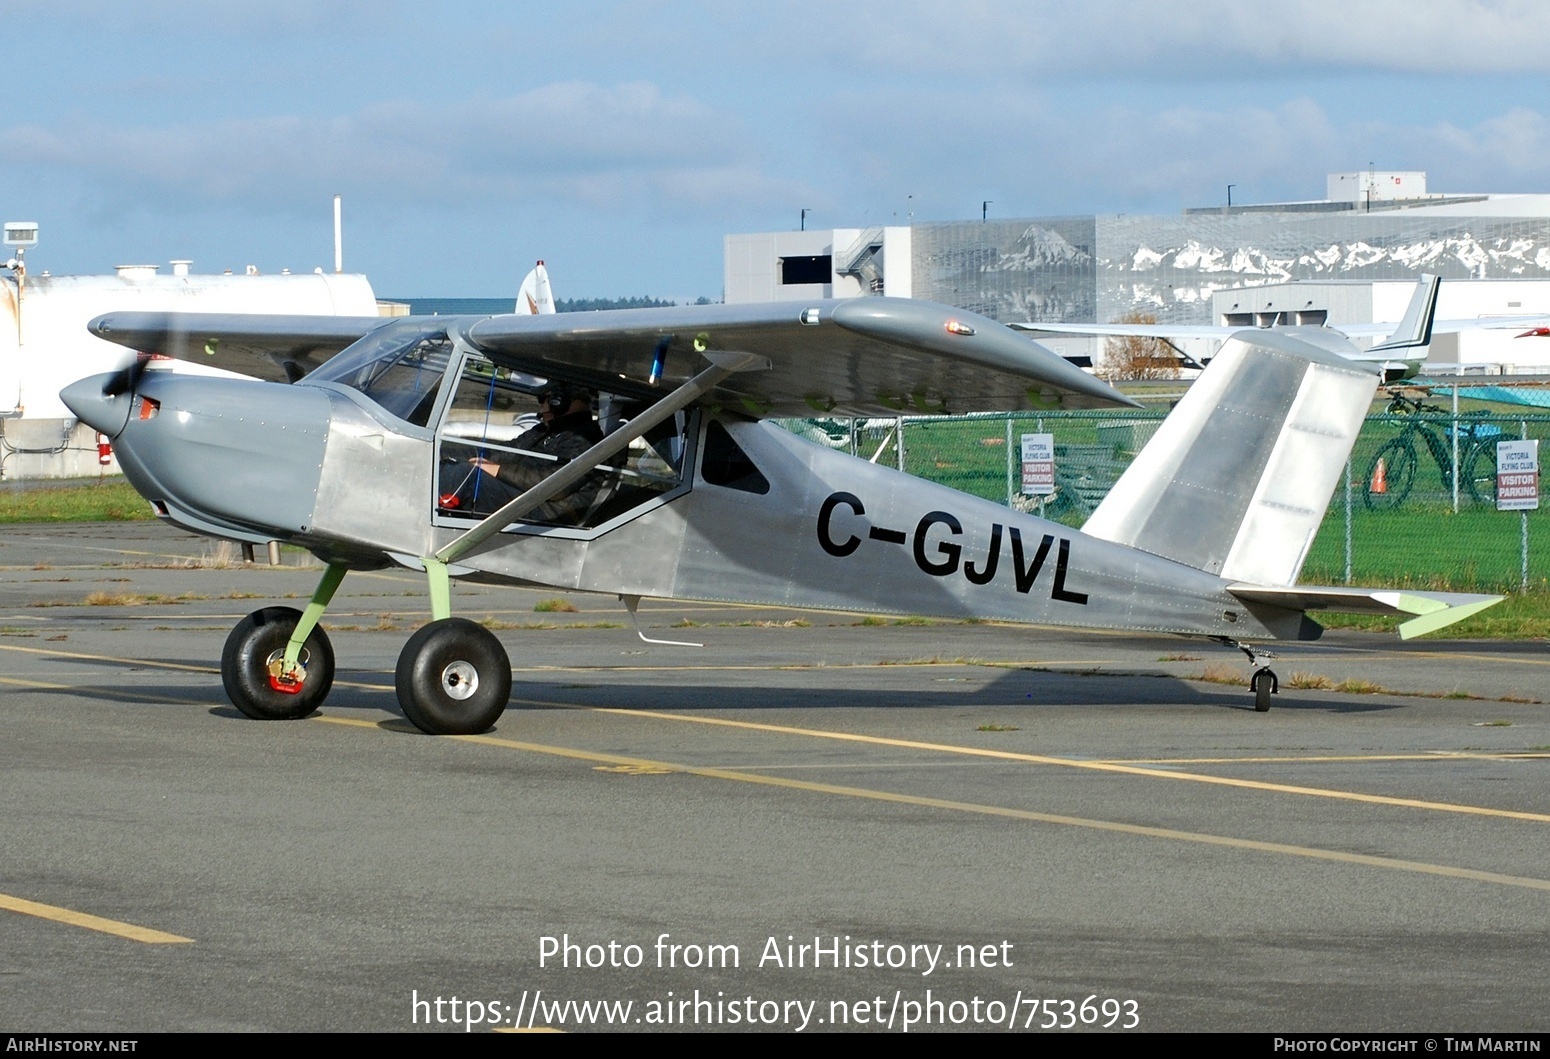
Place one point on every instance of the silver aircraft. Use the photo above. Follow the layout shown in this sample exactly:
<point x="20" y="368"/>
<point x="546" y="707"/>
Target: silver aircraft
<point x="690" y="494"/>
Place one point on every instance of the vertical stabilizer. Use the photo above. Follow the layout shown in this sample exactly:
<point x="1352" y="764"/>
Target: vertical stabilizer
<point x="1415" y="330"/>
<point x="1237" y="479"/>
<point x="534" y="297"/>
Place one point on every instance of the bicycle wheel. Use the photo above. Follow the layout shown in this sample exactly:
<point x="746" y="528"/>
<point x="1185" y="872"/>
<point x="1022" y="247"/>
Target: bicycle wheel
<point x="1387" y="490"/>
<point x="1480" y="473"/>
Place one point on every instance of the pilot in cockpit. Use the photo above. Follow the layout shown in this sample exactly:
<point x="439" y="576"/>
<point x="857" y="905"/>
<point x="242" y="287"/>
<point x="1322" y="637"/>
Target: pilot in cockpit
<point x="494" y="477"/>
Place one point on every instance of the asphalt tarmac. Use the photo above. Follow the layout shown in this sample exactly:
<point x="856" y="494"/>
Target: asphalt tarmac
<point x="815" y="821"/>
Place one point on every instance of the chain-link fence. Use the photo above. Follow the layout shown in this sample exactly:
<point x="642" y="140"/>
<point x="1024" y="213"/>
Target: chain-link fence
<point x="1417" y="507"/>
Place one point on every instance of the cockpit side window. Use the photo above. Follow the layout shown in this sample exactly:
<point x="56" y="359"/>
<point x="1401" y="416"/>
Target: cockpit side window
<point x="727" y="465"/>
<point x="399" y="367"/>
<point x="491" y="445"/>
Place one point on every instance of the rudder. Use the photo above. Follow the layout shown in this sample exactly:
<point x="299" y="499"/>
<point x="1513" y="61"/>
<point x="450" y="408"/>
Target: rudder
<point x="1237" y="479"/>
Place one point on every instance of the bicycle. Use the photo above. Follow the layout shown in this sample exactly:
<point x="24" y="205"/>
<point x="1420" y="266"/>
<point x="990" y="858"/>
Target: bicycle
<point x="1392" y="472"/>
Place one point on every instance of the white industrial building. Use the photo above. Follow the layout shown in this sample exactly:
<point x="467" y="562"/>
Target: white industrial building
<point x="44" y="344"/>
<point x="1351" y="257"/>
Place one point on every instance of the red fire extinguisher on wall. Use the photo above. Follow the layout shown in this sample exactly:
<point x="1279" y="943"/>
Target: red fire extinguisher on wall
<point x="104" y="449"/>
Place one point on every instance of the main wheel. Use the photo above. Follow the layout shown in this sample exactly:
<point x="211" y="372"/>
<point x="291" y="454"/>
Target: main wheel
<point x="257" y="642"/>
<point x="1397" y="460"/>
<point x="1480" y="473"/>
<point x="453" y="678"/>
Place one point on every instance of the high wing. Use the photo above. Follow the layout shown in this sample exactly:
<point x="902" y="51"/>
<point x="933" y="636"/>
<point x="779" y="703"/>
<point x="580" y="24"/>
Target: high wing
<point x="270" y="347"/>
<point x="860" y="356"/>
<point x="863" y="356"/>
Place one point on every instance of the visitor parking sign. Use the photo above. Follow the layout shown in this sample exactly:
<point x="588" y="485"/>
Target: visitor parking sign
<point x="1517" y="475"/>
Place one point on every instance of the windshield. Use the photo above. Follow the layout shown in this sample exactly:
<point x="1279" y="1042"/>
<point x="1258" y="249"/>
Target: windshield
<point x="399" y="366"/>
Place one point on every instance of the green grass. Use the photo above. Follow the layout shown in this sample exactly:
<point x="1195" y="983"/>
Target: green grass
<point x="111" y="500"/>
<point x="1479" y="549"/>
<point x="554" y="606"/>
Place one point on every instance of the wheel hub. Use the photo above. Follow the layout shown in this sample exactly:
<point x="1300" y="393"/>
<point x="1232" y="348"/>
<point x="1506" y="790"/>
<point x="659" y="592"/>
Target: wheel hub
<point x="286" y="681"/>
<point x="459" y="680"/>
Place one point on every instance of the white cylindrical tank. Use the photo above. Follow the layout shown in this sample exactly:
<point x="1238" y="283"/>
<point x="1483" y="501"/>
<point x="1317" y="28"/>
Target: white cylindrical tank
<point x="44" y="345"/>
<point x="51" y="348"/>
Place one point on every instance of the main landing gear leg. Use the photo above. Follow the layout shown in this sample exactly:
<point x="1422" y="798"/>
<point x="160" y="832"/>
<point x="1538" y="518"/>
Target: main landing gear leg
<point x="453" y="676"/>
<point x="278" y="663"/>
<point x="1264" y="683"/>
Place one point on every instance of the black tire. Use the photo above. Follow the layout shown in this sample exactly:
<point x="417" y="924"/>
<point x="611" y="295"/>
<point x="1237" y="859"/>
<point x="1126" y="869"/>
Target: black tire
<point x="1399" y="461"/>
<point x="256" y="641"/>
<point x="1264" y="684"/>
<point x="453" y="678"/>
<point x="1480" y="473"/>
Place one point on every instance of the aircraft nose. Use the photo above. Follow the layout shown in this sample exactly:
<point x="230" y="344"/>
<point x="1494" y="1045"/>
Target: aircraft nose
<point x="93" y="405"/>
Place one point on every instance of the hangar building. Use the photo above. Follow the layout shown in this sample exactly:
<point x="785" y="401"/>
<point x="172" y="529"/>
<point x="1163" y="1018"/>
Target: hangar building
<point x="1350" y="257"/>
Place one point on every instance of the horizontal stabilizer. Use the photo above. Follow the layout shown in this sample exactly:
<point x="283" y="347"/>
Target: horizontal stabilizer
<point x="1432" y="610"/>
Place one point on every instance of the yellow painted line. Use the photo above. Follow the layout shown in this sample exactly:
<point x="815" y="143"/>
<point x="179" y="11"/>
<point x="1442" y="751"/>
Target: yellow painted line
<point x="1481" y="658"/>
<point x="121" y="693"/>
<point x="1140" y="830"/>
<point x="804" y="667"/>
<point x="108" y="658"/>
<point x="1004" y="755"/>
<point x="90" y="922"/>
<point x="1095" y="766"/>
<point x="1434" y="755"/>
<point x="564" y="669"/>
<point x="117" y="693"/>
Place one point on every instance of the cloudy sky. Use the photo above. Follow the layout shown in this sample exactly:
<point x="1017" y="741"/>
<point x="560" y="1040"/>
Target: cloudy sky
<point x="621" y="141"/>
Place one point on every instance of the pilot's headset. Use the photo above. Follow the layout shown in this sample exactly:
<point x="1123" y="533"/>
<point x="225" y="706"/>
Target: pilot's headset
<point x="558" y="397"/>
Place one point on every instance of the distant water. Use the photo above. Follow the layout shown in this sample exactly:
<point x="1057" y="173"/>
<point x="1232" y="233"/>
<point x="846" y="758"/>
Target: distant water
<point x="457" y="306"/>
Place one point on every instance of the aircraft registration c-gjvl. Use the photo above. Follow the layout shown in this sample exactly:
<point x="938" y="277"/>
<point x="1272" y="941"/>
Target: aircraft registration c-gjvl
<point x="690" y="495"/>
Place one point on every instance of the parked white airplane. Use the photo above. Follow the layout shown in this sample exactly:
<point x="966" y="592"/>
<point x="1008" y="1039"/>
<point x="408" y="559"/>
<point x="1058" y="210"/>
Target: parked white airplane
<point x="1399" y="355"/>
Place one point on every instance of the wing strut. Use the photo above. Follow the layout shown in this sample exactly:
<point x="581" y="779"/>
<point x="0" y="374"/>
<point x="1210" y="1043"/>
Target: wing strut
<point x="722" y="366"/>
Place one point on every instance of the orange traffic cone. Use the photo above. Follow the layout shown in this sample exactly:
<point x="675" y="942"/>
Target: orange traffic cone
<point x="1380" y="479"/>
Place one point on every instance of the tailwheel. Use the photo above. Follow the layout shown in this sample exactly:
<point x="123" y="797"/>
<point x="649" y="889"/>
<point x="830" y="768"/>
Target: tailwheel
<point x="1263" y="684"/>
<point x="453" y="678"/>
<point x="252" y="667"/>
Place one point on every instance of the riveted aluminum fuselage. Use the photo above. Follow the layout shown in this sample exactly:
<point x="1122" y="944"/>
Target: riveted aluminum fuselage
<point x="321" y="466"/>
